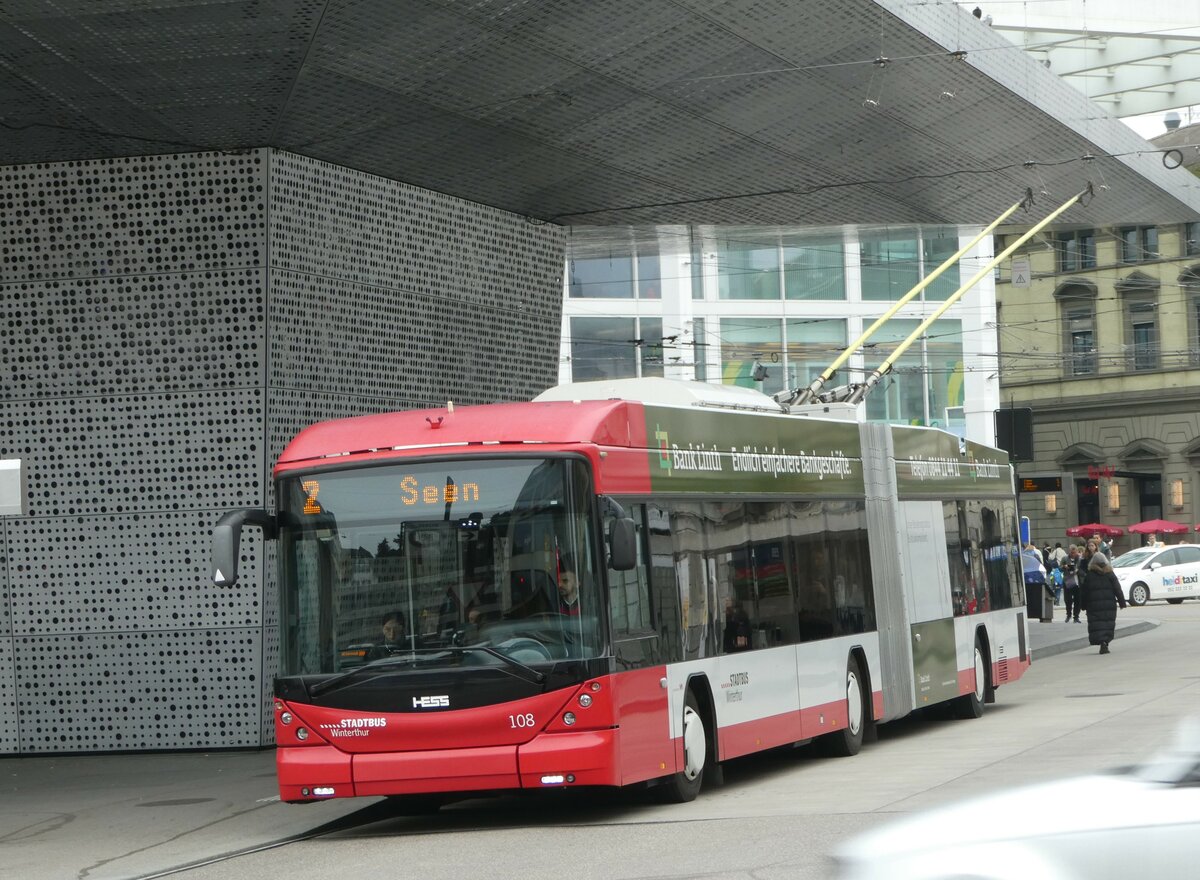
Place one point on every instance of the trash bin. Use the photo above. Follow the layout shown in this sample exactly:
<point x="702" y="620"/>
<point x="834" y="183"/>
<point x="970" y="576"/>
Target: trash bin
<point x="1039" y="600"/>
<point x="1039" y="595"/>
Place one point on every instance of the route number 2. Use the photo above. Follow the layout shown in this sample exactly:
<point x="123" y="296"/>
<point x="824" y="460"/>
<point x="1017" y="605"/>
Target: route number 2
<point x="525" y="720"/>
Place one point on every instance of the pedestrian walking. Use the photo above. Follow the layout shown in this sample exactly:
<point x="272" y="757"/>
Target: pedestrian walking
<point x="1101" y="596"/>
<point x="1070" y="572"/>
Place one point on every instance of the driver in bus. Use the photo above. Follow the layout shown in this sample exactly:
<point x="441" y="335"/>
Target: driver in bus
<point x="568" y="589"/>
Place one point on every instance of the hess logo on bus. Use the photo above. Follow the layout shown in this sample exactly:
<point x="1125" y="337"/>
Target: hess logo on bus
<point x="437" y="701"/>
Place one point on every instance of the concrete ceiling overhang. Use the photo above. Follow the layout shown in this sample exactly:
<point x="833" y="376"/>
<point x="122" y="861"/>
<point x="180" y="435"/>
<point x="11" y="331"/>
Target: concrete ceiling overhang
<point x="598" y="113"/>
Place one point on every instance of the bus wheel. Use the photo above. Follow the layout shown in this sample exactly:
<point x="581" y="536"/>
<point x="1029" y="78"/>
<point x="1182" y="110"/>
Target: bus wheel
<point x="971" y="705"/>
<point x="848" y="741"/>
<point x="685" y="785"/>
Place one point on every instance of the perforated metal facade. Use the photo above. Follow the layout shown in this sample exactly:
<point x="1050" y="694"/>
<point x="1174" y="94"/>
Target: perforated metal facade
<point x="170" y="323"/>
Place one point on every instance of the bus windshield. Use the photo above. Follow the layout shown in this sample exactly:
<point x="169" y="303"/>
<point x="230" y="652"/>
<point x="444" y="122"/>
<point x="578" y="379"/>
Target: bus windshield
<point x="447" y="563"/>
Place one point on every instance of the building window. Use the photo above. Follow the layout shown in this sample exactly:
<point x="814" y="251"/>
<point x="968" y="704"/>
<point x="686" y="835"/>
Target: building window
<point x="890" y="265"/>
<point x="937" y="246"/>
<point x="619" y="271"/>
<point x="1139" y="243"/>
<point x="1081" y="343"/>
<point x="616" y="348"/>
<point x="700" y="349"/>
<point x="811" y="345"/>
<point x="748" y="270"/>
<point x="603" y="348"/>
<point x="650" y="347"/>
<point x="1191" y="239"/>
<point x="1141" y="333"/>
<point x="751" y="353"/>
<point x="1076" y="250"/>
<point x="608" y="276"/>
<point x="813" y="268"/>
<point x="1189" y="281"/>
<point x="1077" y="313"/>
<point x="1139" y="305"/>
<point x="649" y="271"/>
<point x="926" y="381"/>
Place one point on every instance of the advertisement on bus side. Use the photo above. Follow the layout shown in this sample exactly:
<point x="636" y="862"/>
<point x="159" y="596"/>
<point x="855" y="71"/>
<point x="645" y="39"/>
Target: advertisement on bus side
<point x="709" y="452"/>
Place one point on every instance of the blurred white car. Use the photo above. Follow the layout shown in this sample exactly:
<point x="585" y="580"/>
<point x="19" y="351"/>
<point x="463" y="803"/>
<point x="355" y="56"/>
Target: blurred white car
<point x="1142" y="822"/>
<point x="1171" y="573"/>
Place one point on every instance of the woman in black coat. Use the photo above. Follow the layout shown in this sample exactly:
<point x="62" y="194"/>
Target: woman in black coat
<point x="1101" y="594"/>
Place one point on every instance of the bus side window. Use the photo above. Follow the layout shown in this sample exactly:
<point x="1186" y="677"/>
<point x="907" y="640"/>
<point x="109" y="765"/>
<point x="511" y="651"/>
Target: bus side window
<point x="664" y="582"/>
<point x="629" y="591"/>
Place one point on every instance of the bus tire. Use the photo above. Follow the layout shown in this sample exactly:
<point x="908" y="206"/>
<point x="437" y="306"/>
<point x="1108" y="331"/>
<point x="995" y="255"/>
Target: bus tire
<point x="683" y="786"/>
<point x="971" y="705"/>
<point x="847" y="742"/>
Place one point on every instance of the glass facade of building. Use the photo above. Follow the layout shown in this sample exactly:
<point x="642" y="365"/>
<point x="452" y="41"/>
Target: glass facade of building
<point x="768" y="309"/>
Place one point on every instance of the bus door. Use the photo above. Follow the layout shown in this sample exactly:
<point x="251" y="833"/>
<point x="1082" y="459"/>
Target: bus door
<point x="931" y="615"/>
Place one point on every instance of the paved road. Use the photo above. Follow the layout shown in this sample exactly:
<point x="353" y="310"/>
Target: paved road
<point x="778" y="815"/>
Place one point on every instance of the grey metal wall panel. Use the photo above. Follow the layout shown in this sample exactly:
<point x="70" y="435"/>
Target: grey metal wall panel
<point x="133" y="332"/>
<point x="171" y="323"/>
<point x="382" y="289"/>
<point x="184" y="689"/>
<point x="9" y="741"/>
<point x="124" y="573"/>
<point x="119" y="454"/>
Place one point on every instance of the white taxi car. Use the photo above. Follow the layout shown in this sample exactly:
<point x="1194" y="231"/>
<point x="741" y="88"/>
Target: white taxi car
<point x="1171" y="573"/>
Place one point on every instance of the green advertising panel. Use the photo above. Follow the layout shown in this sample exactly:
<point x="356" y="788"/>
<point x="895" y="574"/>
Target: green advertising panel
<point x="934" y="464"/>
<point x="934" y="666"/>
<point x="703" y="451"/>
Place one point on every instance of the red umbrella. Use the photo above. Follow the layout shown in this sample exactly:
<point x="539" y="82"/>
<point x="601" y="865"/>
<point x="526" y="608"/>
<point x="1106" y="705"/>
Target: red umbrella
<point x="1158" y="526"/>
<point x="1094" y="529"/>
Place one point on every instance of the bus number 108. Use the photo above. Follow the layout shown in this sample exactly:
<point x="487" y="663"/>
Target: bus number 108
<point x="524" y="720"/>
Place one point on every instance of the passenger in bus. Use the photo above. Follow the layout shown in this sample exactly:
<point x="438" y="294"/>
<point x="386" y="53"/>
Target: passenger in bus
<point x="737" y="627"/>
<point x="393" y="636"/>
<point x="815" y="606"/>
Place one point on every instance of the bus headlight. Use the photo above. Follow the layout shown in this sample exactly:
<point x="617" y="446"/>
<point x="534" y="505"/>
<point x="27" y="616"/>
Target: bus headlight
<point x="585" y="700"/>
<point x="301" y="733"/>
<point x="569" y="718"/>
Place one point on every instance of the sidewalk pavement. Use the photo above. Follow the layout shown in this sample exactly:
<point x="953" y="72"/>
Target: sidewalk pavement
<point x="120" y="817"/>
<point x="1058" y="636"/>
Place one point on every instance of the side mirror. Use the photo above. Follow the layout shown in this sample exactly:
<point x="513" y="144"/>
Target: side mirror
<point x="227" y="539"/>
<point x="622" y="545"/>
<point x="1155" y="566"/>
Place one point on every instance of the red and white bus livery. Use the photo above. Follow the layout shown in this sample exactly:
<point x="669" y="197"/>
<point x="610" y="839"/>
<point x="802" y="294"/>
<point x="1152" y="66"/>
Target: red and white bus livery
<point x="623" y="583"/>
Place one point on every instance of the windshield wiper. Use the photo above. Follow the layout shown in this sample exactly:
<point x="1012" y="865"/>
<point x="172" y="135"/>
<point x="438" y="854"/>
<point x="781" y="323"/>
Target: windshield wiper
<point x="530" y="674"/>
<point x="332" y="683"/>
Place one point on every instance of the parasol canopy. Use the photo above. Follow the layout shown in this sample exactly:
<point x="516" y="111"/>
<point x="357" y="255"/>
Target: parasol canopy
<point x="1090" y="529"/>
<point x="1158" y="527"/>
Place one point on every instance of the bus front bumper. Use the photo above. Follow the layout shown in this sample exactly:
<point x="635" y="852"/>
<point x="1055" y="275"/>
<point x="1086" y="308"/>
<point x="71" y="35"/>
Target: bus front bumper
<point x="549" y="760"/>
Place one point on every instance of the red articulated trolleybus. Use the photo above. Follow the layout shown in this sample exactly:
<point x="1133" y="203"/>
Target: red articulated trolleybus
<point x="623" y="583"/>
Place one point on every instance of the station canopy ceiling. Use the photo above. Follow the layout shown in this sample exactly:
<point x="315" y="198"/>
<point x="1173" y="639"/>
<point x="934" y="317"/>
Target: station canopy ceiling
<point x="622" y="112"/>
